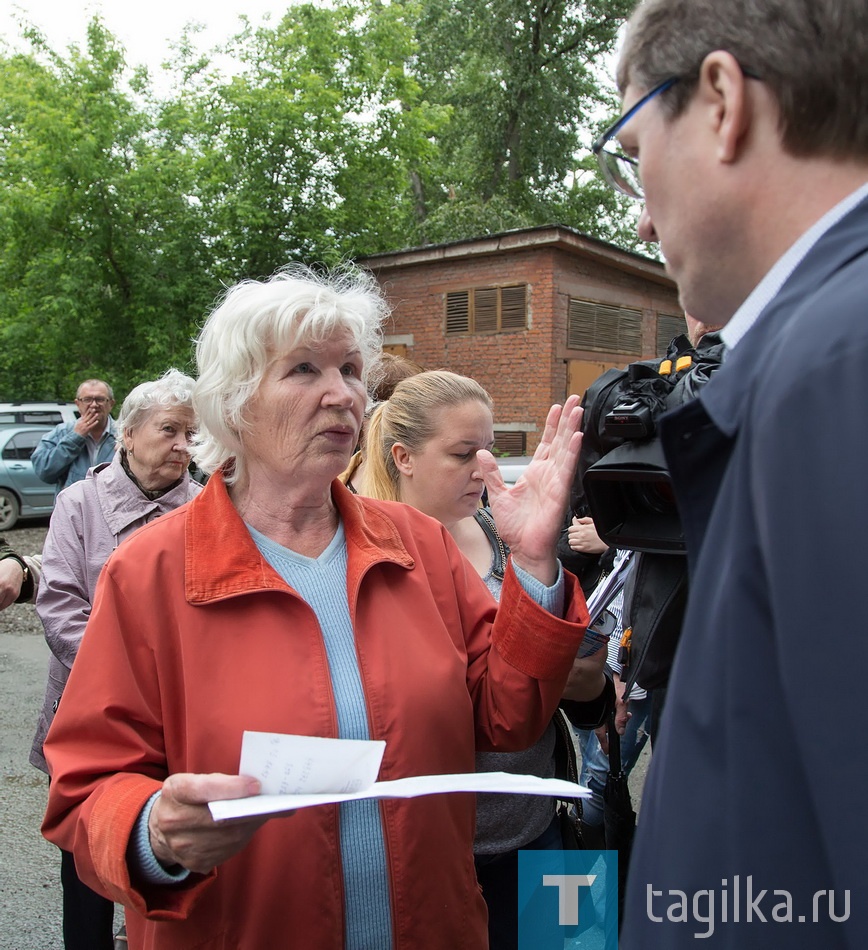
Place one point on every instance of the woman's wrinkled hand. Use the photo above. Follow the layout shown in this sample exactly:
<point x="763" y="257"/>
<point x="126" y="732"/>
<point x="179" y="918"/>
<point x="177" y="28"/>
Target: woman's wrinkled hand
<point x="529" y="514"/>
<point x="182" y="831"/>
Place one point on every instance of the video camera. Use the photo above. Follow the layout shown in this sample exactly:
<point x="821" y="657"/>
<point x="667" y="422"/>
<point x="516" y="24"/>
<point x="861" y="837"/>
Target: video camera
<point x="624" y="473"/>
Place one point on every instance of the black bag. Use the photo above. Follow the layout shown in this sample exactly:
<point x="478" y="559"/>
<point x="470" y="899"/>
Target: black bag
<point x="569" y="810"/>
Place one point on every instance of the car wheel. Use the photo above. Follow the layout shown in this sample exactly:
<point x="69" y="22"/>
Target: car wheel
<point x="9" y="509"/>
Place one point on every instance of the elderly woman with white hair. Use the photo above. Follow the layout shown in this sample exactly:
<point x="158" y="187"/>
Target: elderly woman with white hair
<point x="286" y="604"/>
<point x="146" y="478"/>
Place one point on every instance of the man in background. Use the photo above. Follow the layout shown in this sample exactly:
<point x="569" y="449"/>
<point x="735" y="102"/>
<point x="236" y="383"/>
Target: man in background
<point x="746" y="124"/>
<point x="64" y="455"/>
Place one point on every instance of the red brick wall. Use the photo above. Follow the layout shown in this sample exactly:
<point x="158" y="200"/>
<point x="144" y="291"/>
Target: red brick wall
<point x="525" y="371"/>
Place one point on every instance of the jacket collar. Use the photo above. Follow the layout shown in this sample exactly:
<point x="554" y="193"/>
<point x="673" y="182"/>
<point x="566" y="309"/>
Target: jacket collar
<point x="222" y="560"/>
<point x="727" y="394"/>
<point x="121" y="501"/>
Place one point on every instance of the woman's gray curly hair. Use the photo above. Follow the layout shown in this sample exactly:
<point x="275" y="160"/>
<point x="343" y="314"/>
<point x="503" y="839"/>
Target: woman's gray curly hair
<point x="296" y="307"/>
<point x="171" y="391"/>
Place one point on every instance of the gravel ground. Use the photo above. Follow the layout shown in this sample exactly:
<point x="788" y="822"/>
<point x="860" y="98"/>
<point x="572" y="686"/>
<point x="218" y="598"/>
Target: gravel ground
<point x="29" y="871"/>
<point x="30" y="896"/>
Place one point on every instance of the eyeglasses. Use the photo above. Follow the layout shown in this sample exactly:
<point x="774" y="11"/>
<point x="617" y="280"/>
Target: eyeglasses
<point x="96" y="400"/>
<point x="619" y="170"/>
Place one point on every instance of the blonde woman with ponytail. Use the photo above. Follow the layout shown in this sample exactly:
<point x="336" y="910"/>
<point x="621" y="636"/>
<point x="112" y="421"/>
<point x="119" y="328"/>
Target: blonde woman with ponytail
<point x="422" y="450"/>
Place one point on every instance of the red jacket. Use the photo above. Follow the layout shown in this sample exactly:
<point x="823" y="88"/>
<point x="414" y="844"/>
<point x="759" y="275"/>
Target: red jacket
<point x="194" y="638"/>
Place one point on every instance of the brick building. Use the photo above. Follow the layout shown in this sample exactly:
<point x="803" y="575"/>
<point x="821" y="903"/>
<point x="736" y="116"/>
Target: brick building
<point x="532" y="314"/>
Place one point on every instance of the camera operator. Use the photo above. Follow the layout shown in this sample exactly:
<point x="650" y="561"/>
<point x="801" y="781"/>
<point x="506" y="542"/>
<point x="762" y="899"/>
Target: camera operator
<point x="656" y="592"/>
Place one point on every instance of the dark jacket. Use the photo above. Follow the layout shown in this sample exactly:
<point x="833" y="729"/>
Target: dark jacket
<point x="759" y="772"/>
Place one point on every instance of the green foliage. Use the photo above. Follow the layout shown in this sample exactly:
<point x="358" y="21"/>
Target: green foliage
<point x="97" y="240"/>
<point x="342" y="130"/>
<point x="521" y="78"/>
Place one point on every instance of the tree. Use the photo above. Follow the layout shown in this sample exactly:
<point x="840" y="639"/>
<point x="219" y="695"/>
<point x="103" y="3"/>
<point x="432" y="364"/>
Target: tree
<point x="524" y="83"/>
<point x="98" y="240"/>
<point x="340" y="130"/>
<point x="303" y="153"/>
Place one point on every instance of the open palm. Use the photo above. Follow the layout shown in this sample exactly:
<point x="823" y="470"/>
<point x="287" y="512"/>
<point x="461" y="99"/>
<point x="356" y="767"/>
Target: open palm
<point x="529" y="514"/>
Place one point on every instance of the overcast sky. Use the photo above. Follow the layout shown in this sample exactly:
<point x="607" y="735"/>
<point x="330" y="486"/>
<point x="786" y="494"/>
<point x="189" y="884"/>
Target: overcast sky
<point x="145" y="27"/>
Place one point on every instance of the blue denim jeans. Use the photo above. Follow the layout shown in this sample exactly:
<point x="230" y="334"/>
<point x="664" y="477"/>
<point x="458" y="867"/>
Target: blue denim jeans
<point x="595" y="762"/>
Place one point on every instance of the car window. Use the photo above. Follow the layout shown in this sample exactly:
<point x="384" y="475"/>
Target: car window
<point x="36" y="413"/>
<point x="20" y="447"/>
<point x="40" y="417"/>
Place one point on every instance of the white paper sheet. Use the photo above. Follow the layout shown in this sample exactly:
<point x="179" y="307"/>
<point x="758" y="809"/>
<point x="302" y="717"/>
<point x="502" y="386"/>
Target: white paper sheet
<point x="300" y="771"/>
<point x="292" y="765"/>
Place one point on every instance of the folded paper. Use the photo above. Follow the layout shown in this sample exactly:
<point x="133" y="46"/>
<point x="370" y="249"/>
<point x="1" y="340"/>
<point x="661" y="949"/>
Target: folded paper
<point x="301" y="771"/>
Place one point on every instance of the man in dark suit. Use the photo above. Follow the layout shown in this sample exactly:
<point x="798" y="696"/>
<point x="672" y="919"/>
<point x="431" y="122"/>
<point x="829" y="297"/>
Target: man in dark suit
<point x="746" y="120"/>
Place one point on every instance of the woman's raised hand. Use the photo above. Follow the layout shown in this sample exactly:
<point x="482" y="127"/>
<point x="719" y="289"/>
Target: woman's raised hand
<point x="530" y="514"/>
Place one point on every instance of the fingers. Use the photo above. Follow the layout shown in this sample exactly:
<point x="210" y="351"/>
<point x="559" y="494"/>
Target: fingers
<point x="602" y="734"/>
<point x="570" y="420"/>
<point x="188" y="789"/>
<point x="490" y="472"/>
<point x="182" y="831"/>
<point x="582" y="536"/>
<point x="622" y="717"/>
<point x="488" y="467"/>
<point x="562" y="422"/>
<point x="567" y="439"/>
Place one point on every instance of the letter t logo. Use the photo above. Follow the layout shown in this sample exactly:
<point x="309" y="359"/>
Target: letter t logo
<point x="568" y="894"/>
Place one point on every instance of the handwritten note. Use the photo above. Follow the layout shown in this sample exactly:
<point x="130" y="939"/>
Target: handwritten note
<point x="301" y="771"/>
<point x="295" y="765"/>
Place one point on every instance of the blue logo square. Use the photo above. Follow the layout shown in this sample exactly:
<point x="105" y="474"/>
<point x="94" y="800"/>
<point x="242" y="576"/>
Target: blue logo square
<point x="568" y="900"/>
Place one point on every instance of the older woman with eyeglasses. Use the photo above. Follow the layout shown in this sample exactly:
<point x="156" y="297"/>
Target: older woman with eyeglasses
<point x="146" y="479"/>
<point x="289" y="605"/>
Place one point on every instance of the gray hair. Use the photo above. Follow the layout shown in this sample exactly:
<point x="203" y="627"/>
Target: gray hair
<point x="173" y="390"/>
<point x="95" y="382"/>
<point x="810" y="54"/>
<point x="296" y="307"/>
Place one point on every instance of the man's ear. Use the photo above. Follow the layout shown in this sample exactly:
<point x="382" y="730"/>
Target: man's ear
<point x="402" y="459"/>
<point x="724" y="88"/>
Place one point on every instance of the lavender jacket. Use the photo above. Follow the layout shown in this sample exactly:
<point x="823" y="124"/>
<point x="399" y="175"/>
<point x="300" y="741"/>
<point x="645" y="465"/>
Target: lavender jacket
<point x="90" y="519"/>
